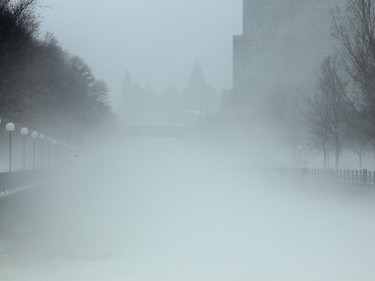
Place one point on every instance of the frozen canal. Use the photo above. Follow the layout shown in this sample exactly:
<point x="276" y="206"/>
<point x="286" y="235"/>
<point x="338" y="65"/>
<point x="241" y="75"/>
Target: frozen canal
<point x="157" y="209"/>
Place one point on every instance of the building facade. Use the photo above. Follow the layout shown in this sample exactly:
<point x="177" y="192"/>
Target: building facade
<point x="282" y="40"/>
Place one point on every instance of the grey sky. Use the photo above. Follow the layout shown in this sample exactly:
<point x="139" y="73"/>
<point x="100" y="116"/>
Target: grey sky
<point x="158" y="41"/>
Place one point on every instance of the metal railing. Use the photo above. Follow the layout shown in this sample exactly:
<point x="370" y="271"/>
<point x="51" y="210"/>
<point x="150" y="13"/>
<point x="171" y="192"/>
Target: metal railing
<point x="17" y="181"/>
<point x="357" y="177"/>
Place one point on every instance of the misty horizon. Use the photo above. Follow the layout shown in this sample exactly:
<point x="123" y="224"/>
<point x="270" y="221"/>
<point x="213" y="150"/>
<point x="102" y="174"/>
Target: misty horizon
<point x="129" y="43"/>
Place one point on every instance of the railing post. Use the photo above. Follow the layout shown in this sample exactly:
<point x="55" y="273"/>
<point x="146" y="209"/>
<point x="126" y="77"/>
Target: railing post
<point x="369" y="177"/>
<point x="304" y="172"/>
<point x="364" y="176"/>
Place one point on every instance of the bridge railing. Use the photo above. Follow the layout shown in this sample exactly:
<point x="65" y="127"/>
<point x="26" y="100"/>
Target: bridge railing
<point x="356" y="177"/>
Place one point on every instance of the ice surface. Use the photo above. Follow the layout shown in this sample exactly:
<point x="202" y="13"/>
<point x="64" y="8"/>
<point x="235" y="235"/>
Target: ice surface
<point x="159" y="209"/>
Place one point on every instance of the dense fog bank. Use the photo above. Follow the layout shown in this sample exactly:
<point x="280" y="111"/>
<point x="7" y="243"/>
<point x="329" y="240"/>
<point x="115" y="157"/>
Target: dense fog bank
<point x="176" y="209"/>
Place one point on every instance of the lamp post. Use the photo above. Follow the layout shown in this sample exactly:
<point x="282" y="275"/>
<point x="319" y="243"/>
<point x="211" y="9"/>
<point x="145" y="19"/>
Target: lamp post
<point x="10" y="127"/>
<point x="34" y="135"/>
<point x="54" y="152"/>
<point x="49" y="140"/>
<point x="42" y="138"/>
<point x="24" y="132"/>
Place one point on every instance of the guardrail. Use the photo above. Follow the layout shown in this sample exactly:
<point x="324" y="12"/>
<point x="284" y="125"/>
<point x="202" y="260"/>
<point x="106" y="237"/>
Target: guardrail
<point x="359" y="177"/>
<point x="14" y="182"/>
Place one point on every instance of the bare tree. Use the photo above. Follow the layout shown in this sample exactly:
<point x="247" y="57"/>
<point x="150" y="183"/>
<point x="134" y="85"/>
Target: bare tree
<point x="325" y="118"/>
<point x="283" y="108"/>
<point x="358" y="143"/>
<point x="317" y="122"/>
<point x="354" y="30"/>
<point x="40" y="82"/>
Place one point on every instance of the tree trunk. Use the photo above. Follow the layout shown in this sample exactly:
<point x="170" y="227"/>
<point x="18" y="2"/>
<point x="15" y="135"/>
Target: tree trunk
<point x="337" y="158"/>
<point x="295" y="156"/>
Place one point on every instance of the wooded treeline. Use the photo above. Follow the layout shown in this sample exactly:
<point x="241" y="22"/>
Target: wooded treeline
<point x="341" y="112"/>
<point x="41" y="84"/>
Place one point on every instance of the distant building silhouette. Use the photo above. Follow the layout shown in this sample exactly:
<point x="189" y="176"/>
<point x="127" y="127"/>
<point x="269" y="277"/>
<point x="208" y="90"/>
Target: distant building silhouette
<point x="143" y="107"/>
<point x="138" y="104"/>
<point x="199" y="96"/>
<point x="281" y="40"/>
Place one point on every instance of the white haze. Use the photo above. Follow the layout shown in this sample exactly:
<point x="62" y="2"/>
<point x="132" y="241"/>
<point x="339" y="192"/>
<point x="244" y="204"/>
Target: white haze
<point x="181" y="209"/>
<point x="133" y="208"/>
<point x="157" y="41"/>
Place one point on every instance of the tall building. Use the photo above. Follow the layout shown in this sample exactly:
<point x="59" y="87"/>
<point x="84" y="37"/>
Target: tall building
<point x="281" y="40"/>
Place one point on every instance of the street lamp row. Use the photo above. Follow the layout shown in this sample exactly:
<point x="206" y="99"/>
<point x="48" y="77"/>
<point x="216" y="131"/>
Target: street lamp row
<point x="10" y="128"/>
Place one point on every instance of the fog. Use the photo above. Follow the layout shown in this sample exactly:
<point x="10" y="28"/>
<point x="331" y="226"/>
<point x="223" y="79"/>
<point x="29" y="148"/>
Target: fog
<point x="179" y="209"/>
<point x="221" y="144"/>
<point x="156" y="41"/>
